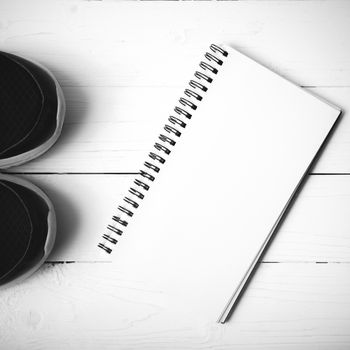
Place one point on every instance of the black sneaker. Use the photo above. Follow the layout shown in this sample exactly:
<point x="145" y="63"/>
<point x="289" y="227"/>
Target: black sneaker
<point x="28" y="228"/>
<point x="32" y="111"/>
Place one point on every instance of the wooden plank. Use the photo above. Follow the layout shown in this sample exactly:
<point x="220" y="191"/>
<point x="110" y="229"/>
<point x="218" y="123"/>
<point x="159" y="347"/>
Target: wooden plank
<point x="316" y="229"/>
<point x="122" y="64"/>
<point x="107" y="129"/>
<point x="110" y="129"/>
<point x="95" y="51"/>
<point x="82" y="306"/>
<point x="336" y="155"/>
<point x="84" y="205"/>
<point x="151" y="43"/>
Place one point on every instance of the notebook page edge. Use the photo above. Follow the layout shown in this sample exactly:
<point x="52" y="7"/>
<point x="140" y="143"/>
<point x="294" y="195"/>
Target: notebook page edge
<point x="224" y="316"/>
<point x="322" y="99"/>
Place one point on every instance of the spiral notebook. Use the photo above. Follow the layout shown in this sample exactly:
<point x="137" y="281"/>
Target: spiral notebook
<point x="216" y="183"/>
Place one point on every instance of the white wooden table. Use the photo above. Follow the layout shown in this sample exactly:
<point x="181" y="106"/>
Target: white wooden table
<point x="121" y="65"/>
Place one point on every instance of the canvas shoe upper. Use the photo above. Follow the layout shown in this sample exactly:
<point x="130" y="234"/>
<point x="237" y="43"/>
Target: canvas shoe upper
<point x="32" y="110"/>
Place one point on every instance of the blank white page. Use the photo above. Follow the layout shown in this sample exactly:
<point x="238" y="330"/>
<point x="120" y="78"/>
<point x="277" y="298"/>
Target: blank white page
<point x="217" y="198"/>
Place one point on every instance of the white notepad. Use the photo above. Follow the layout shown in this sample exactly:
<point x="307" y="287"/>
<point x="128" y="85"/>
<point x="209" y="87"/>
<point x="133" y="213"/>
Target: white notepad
<point x="209" y="212"/>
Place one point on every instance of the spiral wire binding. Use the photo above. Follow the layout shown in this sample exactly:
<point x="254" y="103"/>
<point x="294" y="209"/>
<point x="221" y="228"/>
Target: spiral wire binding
<point x="162" y="148"/>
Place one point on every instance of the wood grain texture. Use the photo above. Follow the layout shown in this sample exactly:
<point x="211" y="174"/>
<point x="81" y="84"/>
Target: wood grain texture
<point x="112" y="129"/>
<point x="149" y="43"/>
<point x="123" y="65"/>
<point x="315" y="230"/>
<point x="94" y="306"/>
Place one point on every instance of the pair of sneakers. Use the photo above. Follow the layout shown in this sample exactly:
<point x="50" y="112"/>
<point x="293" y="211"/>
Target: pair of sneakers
<point x="32" y="110"/>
